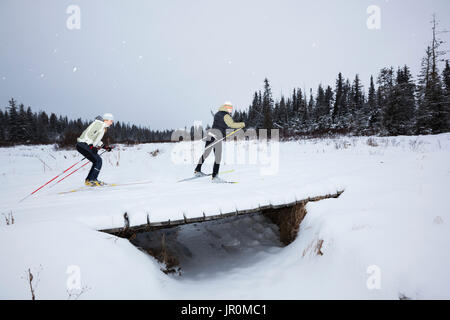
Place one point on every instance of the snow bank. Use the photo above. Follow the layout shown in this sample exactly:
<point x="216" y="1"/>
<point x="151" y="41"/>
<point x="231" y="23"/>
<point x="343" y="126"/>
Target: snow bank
<point x="57" y="252"/>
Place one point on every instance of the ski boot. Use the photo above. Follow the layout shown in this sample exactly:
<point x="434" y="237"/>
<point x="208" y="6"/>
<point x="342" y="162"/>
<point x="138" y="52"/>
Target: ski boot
<point x="94" y="183"/>
<point x="199" y="174"/>
<point x="216" y="179"/>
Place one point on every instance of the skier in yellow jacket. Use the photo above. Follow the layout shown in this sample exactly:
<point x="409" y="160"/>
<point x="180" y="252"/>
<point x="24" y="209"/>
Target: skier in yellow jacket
<point x="222" y="122"/>
<point x="88" y="144"/>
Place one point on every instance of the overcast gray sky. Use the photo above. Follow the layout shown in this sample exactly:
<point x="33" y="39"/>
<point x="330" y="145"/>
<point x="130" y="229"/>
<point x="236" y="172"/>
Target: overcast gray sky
<point x="167" y="63"/>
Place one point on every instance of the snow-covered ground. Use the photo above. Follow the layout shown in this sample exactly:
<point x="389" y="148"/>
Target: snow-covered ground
<point x="386" y="236"/>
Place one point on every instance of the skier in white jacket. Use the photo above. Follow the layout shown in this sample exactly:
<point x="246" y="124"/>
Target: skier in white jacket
<point x="88" y="144"/>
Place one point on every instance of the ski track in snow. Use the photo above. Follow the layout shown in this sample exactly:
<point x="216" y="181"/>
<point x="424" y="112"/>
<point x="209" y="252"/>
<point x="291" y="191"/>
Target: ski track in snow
<point x="393" y="214"/>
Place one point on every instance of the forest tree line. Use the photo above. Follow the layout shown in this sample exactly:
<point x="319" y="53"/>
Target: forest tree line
<point x="394" y="104"/>
<point x="23" y="126"/>
<point x="398" y="105"/>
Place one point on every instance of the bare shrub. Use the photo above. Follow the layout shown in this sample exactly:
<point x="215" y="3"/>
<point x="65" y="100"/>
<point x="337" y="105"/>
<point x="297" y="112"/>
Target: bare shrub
<point x="33" y="281"/>
<point x="402" y="296"/>
<point x="318" y="248"/>
<point x="315" y="247"/>
<point x="30" y="281"/>
<point x="414" y="145"/>
<point x="9" y="218"/>
<point x="372" y="142"/>
<point x="154" y="153"/>
<point x="395" y="143"/>
<point x="342" y="144"/>
<point x="75" y="294"/>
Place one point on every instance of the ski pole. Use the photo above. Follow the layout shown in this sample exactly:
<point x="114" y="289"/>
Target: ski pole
<point x="230" y="134"/>
<point x="76" y="169"/>
<point x="52" y="180"/>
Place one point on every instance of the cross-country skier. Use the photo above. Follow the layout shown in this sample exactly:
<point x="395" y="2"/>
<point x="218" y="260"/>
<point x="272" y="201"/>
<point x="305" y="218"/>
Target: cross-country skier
<point x="88" y="144"/>
<point x="222" y="122"/>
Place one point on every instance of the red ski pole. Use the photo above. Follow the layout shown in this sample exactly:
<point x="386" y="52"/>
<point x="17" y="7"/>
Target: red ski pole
<point x="76" y="169"/>
<point x="52" y="179"/>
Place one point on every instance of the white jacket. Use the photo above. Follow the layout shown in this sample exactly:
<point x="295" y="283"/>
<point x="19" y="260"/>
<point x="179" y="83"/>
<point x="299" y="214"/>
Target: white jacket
<point x="93" y="134"/>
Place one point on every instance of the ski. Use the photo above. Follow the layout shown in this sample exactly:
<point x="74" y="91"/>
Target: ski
<point x="105" y="186"/>
<point x="206" y="175"/>
<point x="233" y="182"/>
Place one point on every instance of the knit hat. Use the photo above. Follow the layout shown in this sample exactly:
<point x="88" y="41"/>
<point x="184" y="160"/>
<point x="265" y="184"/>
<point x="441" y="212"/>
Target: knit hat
<point x="228" y="105"/>
<point x="108" y="116"/>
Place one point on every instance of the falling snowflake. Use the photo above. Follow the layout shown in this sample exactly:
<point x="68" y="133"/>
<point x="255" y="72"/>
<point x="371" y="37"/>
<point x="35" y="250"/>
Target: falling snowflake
<point x="74" y="69"/>
<point x="140" y="57"/>
<point x="42" y="75"/>
<point x="3" y="78"/>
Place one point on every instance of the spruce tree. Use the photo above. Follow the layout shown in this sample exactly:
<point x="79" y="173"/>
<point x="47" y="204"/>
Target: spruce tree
<point x="446" y="77"/>
<point x="3" y="124"/>
<point x="345" y="117"/>
<point x="385" y="97"/>
<point x="446" y="82"/>
<point x="424" y="112"/>
<point x="338" y="102"/>
<point x="309" y="123"/>
<point x="322" y="109"/>
<point x="267" y="106"/>
<point x="357" y="116"/>
<point x="373" y="110"/>
<point x="432" y="114"/>
<point x="284" y="112"/>
<point x="15" y="135"/>
<point x="43" y="127"/>
<point x="326" y="119"/>
<point x="407" y="103"/>
<point x="303" y="115"/>
<point x="436" y="97"/>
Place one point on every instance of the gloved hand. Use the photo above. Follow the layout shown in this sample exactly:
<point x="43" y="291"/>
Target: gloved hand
<point x="108" y="148"/>
<point x="243" y="125"/>
<point x="94" y="149"/>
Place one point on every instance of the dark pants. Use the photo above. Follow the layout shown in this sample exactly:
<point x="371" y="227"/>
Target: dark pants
<point x="92" y="156"/>
<point x="217" y="153"/>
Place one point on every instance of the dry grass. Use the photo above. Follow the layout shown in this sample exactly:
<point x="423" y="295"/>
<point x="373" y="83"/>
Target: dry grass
<point x="30" y="282"/>
<point x="314" y="248"/>
<point x="33" y="281"/>
<point x="318" y="248"/>
<point x="372" y="142"/>
<point x="9" y="218"/>
<point x="154" y="153"/>
<point x="342" y="144"/>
